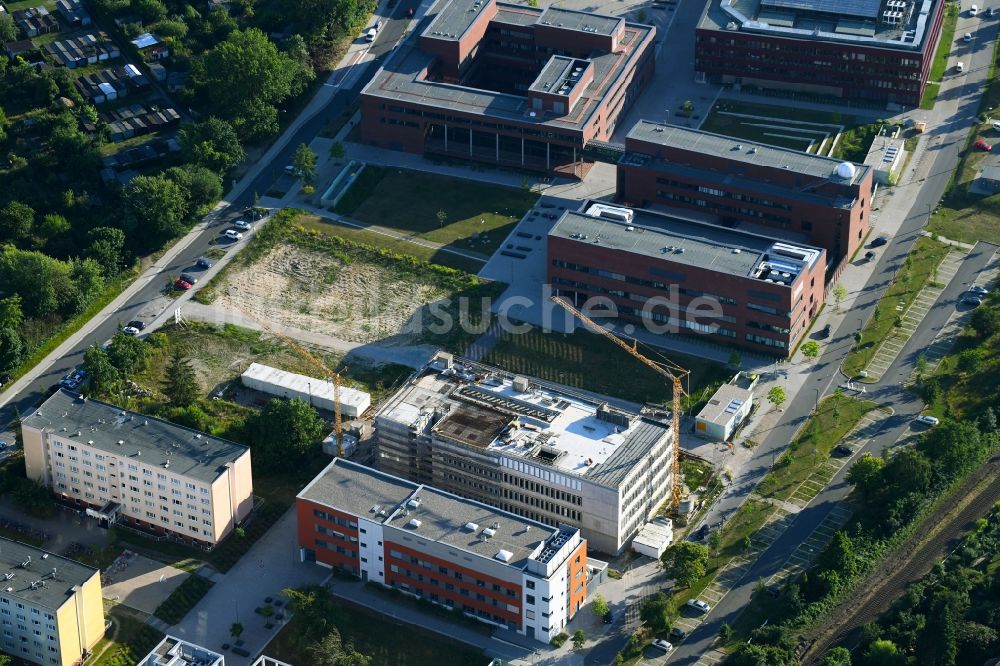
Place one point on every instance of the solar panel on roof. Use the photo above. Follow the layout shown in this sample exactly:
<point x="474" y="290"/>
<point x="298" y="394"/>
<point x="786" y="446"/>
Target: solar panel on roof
<point x="864" y="8"/>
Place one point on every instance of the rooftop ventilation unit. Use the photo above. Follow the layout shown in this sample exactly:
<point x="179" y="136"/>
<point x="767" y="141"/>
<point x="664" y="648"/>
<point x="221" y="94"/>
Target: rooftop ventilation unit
<point x="489" y="532"/>
<point x="414" y="523"/>
<point x="470" y="527"/>
<point x="736" y="250"/>
<point x="504" y="555"/>
<point x="413" y="504"/>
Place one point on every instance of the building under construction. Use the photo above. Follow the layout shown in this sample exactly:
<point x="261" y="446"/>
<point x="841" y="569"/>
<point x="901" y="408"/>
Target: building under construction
<point x="538" y="449"/>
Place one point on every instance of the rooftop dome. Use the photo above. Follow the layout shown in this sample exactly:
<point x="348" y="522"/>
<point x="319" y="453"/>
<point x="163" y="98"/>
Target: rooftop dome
<point x="845" y="170"/>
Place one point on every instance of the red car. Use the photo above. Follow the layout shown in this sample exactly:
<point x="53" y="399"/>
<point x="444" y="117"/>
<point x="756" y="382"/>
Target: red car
<point x="183" y="285"/>
<point x="982" y="145"/>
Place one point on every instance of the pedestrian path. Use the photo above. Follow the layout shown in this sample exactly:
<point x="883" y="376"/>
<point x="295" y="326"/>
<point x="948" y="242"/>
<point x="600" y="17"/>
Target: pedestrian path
<point x="913" y="315"/>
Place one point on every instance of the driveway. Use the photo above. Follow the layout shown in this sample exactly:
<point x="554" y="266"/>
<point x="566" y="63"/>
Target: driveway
<point x="270" y="566"/>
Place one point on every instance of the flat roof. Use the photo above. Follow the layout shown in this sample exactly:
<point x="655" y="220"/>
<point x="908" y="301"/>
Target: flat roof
<point x="173" y="651"/>
<point x="675" y="239"/>
<point x="150" y="440"/>
<point x="850" y="22"/>
<point x="428" y="512"/>
<point x="401" y="78"/>
<point x="46" y="581"/>
<point x="357" y="489"/>
<point x="572" y="19"/>
<point x="556" y="71"/>
<point x="724" y="404"/>
<point x="548" y="425"/>
<point x="747" y="152"/>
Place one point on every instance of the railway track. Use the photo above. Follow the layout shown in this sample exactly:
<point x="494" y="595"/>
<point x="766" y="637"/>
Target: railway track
<point x="910" y="561"/>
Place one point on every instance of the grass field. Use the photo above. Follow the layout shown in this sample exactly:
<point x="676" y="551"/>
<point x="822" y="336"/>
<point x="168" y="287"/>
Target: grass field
<point x="128" y="640"/>
<point x="836" y="416"/>
<point x="331" y="228"/>
<point x="477" y="216"/>
<point x="369" y="632"/>
<point x="927" y="253"/>
<point x="940" y="65"/>
<point x="183" y="599"/>
<point x="591" y="362"/>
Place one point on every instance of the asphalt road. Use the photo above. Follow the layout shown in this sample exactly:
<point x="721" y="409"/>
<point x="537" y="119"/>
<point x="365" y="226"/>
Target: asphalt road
<point x="393" y="28"/>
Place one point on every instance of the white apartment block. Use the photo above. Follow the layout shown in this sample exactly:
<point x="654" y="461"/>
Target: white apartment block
<point x="172" y="651"/>
<point x="147" y="473"/>
<point x="538" y="449"/>
<point x="51" y="611"/>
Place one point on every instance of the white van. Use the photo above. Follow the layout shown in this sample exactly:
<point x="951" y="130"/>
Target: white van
<point x="973" y="10"/>
<point x="960" y="67"/>
<point x="373" y="31"/>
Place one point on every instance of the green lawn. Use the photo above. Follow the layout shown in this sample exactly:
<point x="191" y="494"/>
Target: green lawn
<point x="940" y="65"/>
<point x="183" y="599"/>
<point x="591" y="362"/>
<point x="387" y="642"/>
<point x="920" y="265"/>
<point x="478" y="216"/>
<point x="836" y="416"/>
<point x="331" y="228"/>
<point x="128" y="640"/>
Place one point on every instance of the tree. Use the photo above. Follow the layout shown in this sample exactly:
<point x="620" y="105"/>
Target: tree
<point x="839" y="293"/>
<point x="776" y="396"/>
<point x="725" y="633"/>
<point x="975" y="643"/>
<point x="599" y="605"/>
<point x="866" y="475"/>
<point x="953" y="447"/>
<point x="839" y="556"/>
<point x="13" y="351"/>
<point x="44" y="284"/>
<point x="107" y="248"/>
<point x="8" y="30"/>
<point x="687" y="108"/>
<point x="153" y="208"/>
<point x="987" y="422"/>
<point x="906" y="472"/>
<point x="884" y="653"/>
<point x="104" y="377"/>
<point x="128" y="354"/>
<point x="656" y="612"/>
<point x="212" y="143"/>
<point x="735" y="359"/>
<point x="16" y="222"/>
<point x="985" y="321"/>
<point x="151" y="11"/>
<point x="715" y="540"/>
<point x="202" y="186"/>
<point x="937" y="644"/>
<point x="285" y="433"/>
<point x="810" y="349"/>
<point x="52" y="226"/>
<point x="243" y="77"/>
<point x="330" y="651"/>
<point x="235" y="629"/>
<point x="838" y="656"/>
<point x="685" y="562"/>
<point x="180" y="384"/>
<point x="442" y="217"/>
<point x="337" y="150"/>
<point x="304" y="161"/>
<point x="579" y="638"/>
<point x="971" y="361"/>
<point x="11" y="314"/>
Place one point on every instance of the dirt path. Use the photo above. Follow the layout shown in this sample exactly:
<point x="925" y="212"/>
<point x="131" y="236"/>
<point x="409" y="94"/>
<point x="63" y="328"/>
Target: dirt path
<point x="910" y="561"/>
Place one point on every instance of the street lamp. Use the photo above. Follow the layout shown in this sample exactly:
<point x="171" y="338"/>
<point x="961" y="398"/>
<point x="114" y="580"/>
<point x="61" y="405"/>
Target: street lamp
<point x="817" y="397"/>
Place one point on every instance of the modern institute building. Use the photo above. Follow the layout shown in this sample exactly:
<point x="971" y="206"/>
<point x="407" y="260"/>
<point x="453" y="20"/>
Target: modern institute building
<point x="51" y="610"/>
<point x="153" y="475"/>
<point x="750" y="186"/>
<point x="680" y="275"/>
<point x="871" y="50"/>
<point x="509" y="84"/>
<point x="534" y="448"/>
<point x="491" y="564"/>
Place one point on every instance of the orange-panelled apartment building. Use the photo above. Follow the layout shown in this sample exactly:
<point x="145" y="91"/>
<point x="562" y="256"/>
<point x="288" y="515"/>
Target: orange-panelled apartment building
<point x="508" y="84"/>
<point x="493" y="565"/>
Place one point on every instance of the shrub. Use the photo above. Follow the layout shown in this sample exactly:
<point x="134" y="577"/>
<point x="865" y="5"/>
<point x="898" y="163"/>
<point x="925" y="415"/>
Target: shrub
<point x="560" y="640"/>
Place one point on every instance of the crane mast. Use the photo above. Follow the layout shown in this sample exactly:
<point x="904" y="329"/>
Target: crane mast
<point x="669" y="370"/>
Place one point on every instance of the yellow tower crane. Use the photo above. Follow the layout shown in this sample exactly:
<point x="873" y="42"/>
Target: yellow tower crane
<point x="305" y="355"/>
<point x="671" y="371"/>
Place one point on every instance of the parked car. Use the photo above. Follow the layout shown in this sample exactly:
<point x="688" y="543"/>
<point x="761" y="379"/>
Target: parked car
<point x="182" y="284"/>
<point x="973" y="10"/>
<point x="73" y="380"/>
<point x="678" y="634"/>
<point x="698" y="605"/>
<point x="960" y="67"/>
<point x="990" y="12"/>
<point x="879" y="241"/>
<point x="291" y="170"/>
<point x="702" y="532"/>
<point x="928" y="420"/>
<point x="869" y="255"/>
<point x="242" y="225"/>
<point x="133" y="327"/>
<point x="974" y="301"/>
<point x="982" y="145"/>
<point x="608" y="618"/>
<point x="968" y="37"/>
<point x="824" y="332"/>
<point x="978" y="291"/>
<point x="662" y="644"/>
<point x="204" y="262"/>
<point x="187" y="277"/>
<point x="843" y="450"/>
<point x="232" y="234"/>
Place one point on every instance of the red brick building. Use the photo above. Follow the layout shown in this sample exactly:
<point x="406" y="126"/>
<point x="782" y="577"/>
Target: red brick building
<point x="493" y="565"/>
<point x="509" y="84"/>
<point x="879" y="51"/>
<point x="739" y="184"/>
<point x="679" y="275"/>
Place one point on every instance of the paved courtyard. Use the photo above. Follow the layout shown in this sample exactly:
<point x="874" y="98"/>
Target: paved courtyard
<point x="141" y="583"/>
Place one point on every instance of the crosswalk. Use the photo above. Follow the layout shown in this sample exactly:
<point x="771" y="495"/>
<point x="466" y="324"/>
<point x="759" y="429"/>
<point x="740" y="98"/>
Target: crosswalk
<point x="913" y="315"/>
